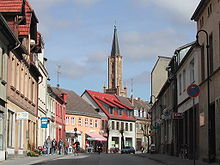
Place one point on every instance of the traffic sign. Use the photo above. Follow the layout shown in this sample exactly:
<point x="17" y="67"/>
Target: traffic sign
<point x="193" y="90"/>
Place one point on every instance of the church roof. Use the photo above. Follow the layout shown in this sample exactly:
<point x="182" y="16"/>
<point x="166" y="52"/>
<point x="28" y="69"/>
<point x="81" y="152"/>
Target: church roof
<point x="115" y="45"/>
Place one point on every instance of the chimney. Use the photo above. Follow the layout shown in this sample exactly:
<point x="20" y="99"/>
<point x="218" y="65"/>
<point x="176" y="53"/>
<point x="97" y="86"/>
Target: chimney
<point x="64" y="96"/>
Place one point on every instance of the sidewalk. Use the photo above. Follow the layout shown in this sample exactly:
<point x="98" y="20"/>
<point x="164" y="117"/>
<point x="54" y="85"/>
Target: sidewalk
<point x="30" y="160"/>
<point x="172" y="160"/>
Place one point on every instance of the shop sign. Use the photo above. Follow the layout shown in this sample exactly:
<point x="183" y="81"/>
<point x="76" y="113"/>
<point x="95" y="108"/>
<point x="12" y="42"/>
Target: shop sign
<point x="177" y="115"/>
<point x="22" y="116"/>
<point x="44" y="122"/>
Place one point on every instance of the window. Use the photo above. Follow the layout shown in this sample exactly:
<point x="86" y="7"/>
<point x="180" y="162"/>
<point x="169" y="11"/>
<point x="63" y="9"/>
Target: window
<point x="80" y="121"/>
<point x="210" y="9"/>
<point x="103" y="124"/>
<point x="192" y="72"/>
<point x="113" y="125"/>
<point x="201" y="22"/>
<point x="139" y="113"/>
<point x="20" y="134"/>
<point x="203" y="62"/>
<point x="180" y="84"/>
<point x="131" y="127"/>
<point x="126" y="127"/>
<point x="120" y="111"/>
<point x="122" y="125"/>
<point x="13" y="72"/>
<point x="111" y="110"/>
<point x="10" y="128"/>
<point x="184" y="80"/>
<point x="117" y="125"/>
<point x="73" y="120"/>
<point x="91" y="123"/>
<point x="1" y="131"/>
<point x="17" y="75"/>
<point x="211" y="64"/>
<point x="67" y="120"/>
<point x="86" y="122"/>
<point x="96" y="123"/>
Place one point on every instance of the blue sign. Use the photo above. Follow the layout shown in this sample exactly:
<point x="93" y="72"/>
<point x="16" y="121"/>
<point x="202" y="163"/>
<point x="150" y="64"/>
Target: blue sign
<point x="193" y="90"/>
<point x="44" y="122"/>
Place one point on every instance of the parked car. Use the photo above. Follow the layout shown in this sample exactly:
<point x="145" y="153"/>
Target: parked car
<point x="152" y="148"/>
<point x="128" y="150"/>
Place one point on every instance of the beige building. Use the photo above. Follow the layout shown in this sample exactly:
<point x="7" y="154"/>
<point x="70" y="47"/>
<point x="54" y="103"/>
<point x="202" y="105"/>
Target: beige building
<point x="207" y="18"/>
<point x="159" y="75"/>
<point x="8" y="42"/>
<point x="23" y="78"/>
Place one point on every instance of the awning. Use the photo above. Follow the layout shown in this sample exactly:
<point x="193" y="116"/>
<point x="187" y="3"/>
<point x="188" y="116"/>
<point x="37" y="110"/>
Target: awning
<point x="96" y="137"/>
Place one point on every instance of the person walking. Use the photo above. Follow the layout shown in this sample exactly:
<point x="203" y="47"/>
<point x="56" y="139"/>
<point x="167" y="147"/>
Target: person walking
<point x="99" y="147"/>
<point x="76" y="146"/>
<point x="60" y="146"/>
<point x="54" y="146"/>
<point x="48" y="144"/>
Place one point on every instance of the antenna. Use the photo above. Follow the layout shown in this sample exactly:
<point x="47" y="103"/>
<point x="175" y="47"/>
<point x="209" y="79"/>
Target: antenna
<point x="58" y="75"/>
<point x="132" y="89"/>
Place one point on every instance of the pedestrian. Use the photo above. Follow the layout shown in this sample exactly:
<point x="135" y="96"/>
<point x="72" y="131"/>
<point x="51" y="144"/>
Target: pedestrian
<point x="99" y="147"/>
<point x="48" y="144"/>
<point x="54" y="146"/>
<point x="60" y="146"/>
<point x="66" y="146"/>
<point x="76" y="146"/>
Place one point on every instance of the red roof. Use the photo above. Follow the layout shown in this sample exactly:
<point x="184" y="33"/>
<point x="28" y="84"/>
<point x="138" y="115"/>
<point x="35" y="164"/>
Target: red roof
<point x="15" y="6"/>
<point x="112" y="101"/>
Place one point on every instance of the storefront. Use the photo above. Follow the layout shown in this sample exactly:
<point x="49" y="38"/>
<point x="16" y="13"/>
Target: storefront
<point x="92" y="139"/>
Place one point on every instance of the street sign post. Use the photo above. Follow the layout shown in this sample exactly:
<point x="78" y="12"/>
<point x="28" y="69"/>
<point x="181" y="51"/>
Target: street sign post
<point x="193" y="91"/>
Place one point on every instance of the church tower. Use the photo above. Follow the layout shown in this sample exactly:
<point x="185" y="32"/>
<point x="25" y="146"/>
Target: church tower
<point x="115" y="70"/>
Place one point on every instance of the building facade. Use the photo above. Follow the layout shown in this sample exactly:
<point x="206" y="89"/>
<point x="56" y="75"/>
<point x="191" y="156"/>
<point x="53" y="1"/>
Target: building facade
<point x="159" y="76"/>
<point x="8" y="42"/>
<point x="60" y="112"/>
<point x="83" y="123"/>
<point x="120" y="127"/>
<point x="42" y="92"/>
<point x="22" y="86"/>
<point x="207" y="18"/>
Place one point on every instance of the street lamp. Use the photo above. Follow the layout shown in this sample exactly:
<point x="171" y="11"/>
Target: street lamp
<point x="208" y="86"/>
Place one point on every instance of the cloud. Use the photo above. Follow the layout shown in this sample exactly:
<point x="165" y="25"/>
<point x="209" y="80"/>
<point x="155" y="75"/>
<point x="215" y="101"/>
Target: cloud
<point x="73" y="70"/>
<point x="180" y="8"/>
<point x="86" y="3"/>
<point x="141" y="78"/>
<point x="97" y="57"/>
<point x="139" y="46"/>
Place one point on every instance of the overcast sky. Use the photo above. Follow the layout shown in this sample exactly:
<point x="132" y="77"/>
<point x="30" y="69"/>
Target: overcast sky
<point x="78" y="36"/>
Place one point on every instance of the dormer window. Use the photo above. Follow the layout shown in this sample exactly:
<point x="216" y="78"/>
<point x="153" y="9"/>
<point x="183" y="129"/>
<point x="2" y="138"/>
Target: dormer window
<point x="120" y="111"/>
<point x="111" y="110"/>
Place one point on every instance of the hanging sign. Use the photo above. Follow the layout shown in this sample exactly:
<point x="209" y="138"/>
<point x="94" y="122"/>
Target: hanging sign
<point x="44" y="122"/>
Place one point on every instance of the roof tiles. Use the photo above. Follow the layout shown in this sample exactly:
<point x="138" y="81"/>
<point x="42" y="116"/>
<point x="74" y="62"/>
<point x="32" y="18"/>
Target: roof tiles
<point x="110" y="100"/>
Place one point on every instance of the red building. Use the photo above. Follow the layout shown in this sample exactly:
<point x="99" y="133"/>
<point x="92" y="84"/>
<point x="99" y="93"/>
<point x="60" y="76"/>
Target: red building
<point x="60" y="106"/>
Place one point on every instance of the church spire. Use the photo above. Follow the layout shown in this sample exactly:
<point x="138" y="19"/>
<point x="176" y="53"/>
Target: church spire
<point x="115" y="45"/>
